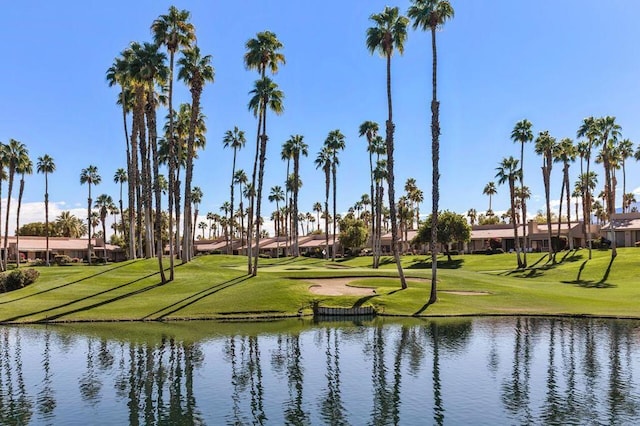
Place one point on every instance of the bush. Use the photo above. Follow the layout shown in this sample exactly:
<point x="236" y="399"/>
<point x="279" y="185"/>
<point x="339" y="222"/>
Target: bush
<point x="17" y="279"/>
<point x="62" y="259"/>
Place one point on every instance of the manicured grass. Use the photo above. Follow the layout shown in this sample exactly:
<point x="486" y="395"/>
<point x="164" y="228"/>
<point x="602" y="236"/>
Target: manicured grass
<point x="216" y="287"/>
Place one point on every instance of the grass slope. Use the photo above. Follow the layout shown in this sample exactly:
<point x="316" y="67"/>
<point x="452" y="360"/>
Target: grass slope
<point x="216" y="287"/>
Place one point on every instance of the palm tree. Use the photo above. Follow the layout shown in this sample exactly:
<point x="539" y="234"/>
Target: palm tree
<point x="261" y="53"/>
<point x="625" y="150"/>
<point x="379" y="176"/>
<point x="196" y="199"/>
<point x="14" y="155"/>
<point x="226" y="209"/>
<point x="490" y="190"/>
<point x="628" y="199"/>
<point x="388" y="34"/>
<point x="589" y="130"/>
<point x="472" y="214"/>
<point x="323" y="160"/>
<point x="522" y="133"/>
<point x="240" y="178"/>
<point x="103" y="203"/>
<point x="25" y="167"/>
<point x="235" y="140"/>
<point x="195" y="71"/>
<point x="266" y="96"/>
<point x="608" y="132"/>
<point x="297" y="147"/>
<point x="508" y="171"/>
<point x="70" y="226"/>
<point x="175" y="32"/>
<point x="432" y="15"/>
<point x="317" y="207"/>
<point x="334" y="143"/>
<point x="121" y="177"/>
<point x="89" y="176"/>
<point x="370" y="129"/>
<point x="545" y="146"/>
<point x="46" y="165"/>
<point x="565" y="153"/>
<point x="277" y="195"/>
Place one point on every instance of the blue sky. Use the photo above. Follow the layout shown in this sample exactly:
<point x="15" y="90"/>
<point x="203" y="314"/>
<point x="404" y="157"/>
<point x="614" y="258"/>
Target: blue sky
<point x="500" y="61"/>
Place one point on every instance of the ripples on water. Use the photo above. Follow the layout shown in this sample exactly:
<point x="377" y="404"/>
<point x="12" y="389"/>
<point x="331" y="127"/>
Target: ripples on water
<point x="454" y="371"/>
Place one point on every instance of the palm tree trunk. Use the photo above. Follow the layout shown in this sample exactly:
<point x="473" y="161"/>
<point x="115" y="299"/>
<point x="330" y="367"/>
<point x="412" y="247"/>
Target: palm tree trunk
<point x="373" y="205"/>
<point x="6" y="223"/>
<point x="18" y="221"/>
<point x="233" y="172"/>
<point x="263" y="153"/>
<point x="560" y="213"/>
<point x="327" y="180"/>
<point x="512" y="197"/>
<point x="546" y="172"/>
<point x="435" y="175"/>
<point x="252" y="200"/>
<point x="89" y="201"/>
<point x="587" y="200"/>
<point x="391" y="179"/>
<point x="335" y="185"/>
<point x="46" y="214"/>
<point x="196" y="90"/>
<point x="524" y="213"/>
<point x="172" y="168"/>
<point x="296" y="170"/>
<point x="156" y="189"/>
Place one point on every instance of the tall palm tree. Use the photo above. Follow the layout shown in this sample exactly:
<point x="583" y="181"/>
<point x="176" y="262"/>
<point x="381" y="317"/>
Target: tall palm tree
<point x="89" y="176"/>
<point x="262" y="52"/>
<point x="387" y="35"/>
<point x="370" y="129"/>
<point x="265" y="96"/>
<point x="608" y="132"/>
<point x="45" y="166"/>
<point x="25" y="167"/>
<point x="297" y="148"/>
<point x="240" y="178"/>
<point x="317" y="207"/>
<point x="196" y="199"/>
<point x="508" y="171"/>
<point x="335" y="143"/>
<point x="103" y="203"/>
<point x="235" y="140"/>
<point x="195" y="70"/>
<point x="379" y="176"/>
<point x="120" y="73"/>
<point x="323" y="161"/>
<point x="490" y="190"/>
<point x="14" y="154"/>
<point x="625" y="150"/>
<point x="589" y="130"/>
<point x="565" y="153"/>
<point x="545" y="146"/>
<point x="523" y="134"/>
<point x="174" y="31"/>
<point x="432" y="15"/>
<point x="226" y="209"/>
<point x="277" y="195"/>
<point x="121" y="177"/>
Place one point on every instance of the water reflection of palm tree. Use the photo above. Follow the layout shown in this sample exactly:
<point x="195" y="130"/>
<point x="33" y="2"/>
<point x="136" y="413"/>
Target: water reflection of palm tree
<point x="257" y="389"/>
<point x="46" y="400"/>
<point x="15" y="406"/>
<point x="331" y="406"/>
<point x="515" y="393"/>
<point x="381" y="411"/>
<point x="552" y="411"/>
<point x="89" y="382"/>
<point x="294" y="413"/>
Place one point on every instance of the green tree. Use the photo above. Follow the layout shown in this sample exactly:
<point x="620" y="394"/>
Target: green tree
<point x="89" y="176"/>
<point x="508" y="172"/>
<point x="453" y="227"/>
<point x="121" y="178"/>
<point x="277" y="195"/>
<point x="334" y="143"/>
<point x="565" y="153"/>
<point x="240" y="178"/>
<point x="370" y="129"/>
<point x="296" y="147"/>
<point x="625" y="150"/>
<point x="472" y="214"/>
<point x="430" y="15"/>
<point x="195" y="70"/>
<point x="545" y="146"/>
<point x="46" y="166"/>
<point x="69" y="226"/>
<point x="317" y="207"/>
<point x="353" y="233"/>
<point x="13" y="155"/>
<point x="587" y="129"/>
<point x="387" y="35"/>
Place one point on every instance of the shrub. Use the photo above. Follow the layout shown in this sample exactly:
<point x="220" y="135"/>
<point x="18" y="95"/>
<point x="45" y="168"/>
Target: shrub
<point x="17" y="279"/>
<point x="62" y="259"/>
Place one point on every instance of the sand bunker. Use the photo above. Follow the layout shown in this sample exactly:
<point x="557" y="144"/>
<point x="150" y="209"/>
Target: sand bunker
<point x="341" y="287"/>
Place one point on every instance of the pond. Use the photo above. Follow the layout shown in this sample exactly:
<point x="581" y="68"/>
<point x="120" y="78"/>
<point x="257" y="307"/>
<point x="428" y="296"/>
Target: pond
<point x="299" y="372"/>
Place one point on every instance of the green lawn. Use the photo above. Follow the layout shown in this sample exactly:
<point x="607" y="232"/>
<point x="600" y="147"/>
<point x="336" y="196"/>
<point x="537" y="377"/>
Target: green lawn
<point x="216" y="287"/>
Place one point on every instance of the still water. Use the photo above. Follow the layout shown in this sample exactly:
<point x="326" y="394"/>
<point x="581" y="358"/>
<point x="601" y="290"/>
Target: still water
<point x="447" y="371"/>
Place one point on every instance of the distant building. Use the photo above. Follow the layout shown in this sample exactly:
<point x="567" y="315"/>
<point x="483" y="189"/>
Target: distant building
<point x="35" y="248"/>
<point x="626" y="227"/>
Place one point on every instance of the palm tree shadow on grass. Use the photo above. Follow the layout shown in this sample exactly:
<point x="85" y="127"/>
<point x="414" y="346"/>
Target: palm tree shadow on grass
<point x="591" y="283"/>
<point x="68" y="284"/>
<point x="442" y="264"/>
